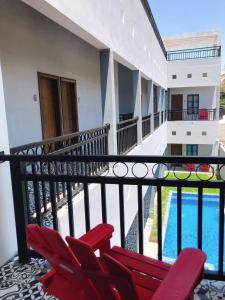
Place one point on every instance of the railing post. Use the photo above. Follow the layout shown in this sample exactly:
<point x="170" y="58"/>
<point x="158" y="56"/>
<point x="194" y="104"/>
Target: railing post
<point x="107" y="139"/>
<point x="20" y="210"/>
<point x="137" y="103"/>
<point x="108" y="96"/>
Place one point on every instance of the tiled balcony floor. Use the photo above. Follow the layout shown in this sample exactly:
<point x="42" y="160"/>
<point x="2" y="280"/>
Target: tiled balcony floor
<point x="19" y="281"/>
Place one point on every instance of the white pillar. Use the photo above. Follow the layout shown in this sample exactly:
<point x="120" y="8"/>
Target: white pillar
<point x="137" y="103"/>
<point x="108" y="96"/>
<point x="159" y="96"/>
<point x="217" y="92"/>
<point x="163" y="104"/>
<point x="8" y="246"/>
<point x="150" y="103"/>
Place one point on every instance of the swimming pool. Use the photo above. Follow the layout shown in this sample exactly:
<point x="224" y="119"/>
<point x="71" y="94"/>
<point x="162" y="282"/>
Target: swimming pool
<point x="210" y="229"/>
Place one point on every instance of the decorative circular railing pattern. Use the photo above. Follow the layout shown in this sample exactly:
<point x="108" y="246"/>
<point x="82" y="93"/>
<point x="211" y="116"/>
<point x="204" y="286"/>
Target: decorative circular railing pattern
<point x="92" y="139"/>
<point x="135" y="170"/>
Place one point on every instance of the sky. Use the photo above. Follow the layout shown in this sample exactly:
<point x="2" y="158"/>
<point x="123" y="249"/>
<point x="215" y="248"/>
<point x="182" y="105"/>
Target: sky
<point x="178" y="16"/>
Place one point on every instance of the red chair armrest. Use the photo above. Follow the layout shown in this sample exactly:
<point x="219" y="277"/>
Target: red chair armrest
<point x="183" y="276"/>
<point x="99" y="237"/>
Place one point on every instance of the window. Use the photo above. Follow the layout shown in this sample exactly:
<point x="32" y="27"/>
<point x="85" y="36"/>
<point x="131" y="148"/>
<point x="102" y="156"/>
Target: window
<point x="204" y="74"/>
<point x="192" y="150"/>
<point x="174" y="132"/>
<point x="189" y="75"/>
<point x="188" y="133"/>
<point x="204" y="133"/>
<point x="174" y="76"/>
<point x="192" y="104"/>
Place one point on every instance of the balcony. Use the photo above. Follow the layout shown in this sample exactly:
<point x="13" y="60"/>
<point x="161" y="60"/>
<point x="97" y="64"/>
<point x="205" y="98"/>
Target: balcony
<point x="192" y="115"/>
<point x="126" y="135"/>
<point x="146" y="126"/>
<point x="194" y="53"/>
<point x="136" y="179"/>
<point x="90" y="142"/>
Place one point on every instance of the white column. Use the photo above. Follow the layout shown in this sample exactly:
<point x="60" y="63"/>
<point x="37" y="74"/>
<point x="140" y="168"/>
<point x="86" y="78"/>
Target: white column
<point x="137" y="103"/>
<point x="217" y="92"/>
<point x="8" y="246"/>
<point x="163" y="104"/>
<point x="150" y="102"/>
<point x="159" y="96"/>
<point x="108" y="96"/>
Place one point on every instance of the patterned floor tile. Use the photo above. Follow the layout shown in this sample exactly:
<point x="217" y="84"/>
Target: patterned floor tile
<point x="20" y="282"/>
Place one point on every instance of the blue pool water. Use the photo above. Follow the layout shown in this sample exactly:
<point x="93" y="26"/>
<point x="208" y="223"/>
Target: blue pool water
<point x="189" y="226"/>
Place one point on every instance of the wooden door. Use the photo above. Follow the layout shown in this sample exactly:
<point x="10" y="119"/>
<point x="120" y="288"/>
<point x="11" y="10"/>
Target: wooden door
<point x="49" y="104"/>
<point x="176" y="107"/>
<point x="176" y="149"/>
<point x="69" y="106"/>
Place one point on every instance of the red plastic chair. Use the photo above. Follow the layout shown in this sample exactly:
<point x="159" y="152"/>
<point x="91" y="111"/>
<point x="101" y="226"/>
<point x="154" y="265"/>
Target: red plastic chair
<point x="118" y="274"/>
<point x="203" y="114"/>
<point x="189" y="167"/>
<point x="205" y="168"/>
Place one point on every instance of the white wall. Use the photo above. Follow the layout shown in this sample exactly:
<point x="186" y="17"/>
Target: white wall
<point x="7" y="224"/>
<point x="196" y="128"/>
<point x="196" y="67"/>
<point x="33" y="43"/>
<point x="207" y="96"/>
<point x="113" y="25"/>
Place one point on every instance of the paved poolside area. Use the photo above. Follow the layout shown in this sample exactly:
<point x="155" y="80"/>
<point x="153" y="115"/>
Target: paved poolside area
<point x="20" y="281"/>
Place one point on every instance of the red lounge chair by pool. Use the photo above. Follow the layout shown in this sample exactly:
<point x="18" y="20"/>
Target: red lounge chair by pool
<point x="203" y="114"/>
<point x="119" y="274"/>
<point x="189" y="167"/>
<point x="205" y="168"/>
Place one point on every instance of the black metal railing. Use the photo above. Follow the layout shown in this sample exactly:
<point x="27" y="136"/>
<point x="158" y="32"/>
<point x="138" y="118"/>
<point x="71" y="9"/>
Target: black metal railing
<point x="90" y="142"/>
<point x="93" y="141"/>
<point x="126" y="135"/>
<point x="192" y="115"/>
<point x="146" y="126"/>
<point x="156" y="120"/>
<point x="194" y="53"/>
<point x="110" y="191"/>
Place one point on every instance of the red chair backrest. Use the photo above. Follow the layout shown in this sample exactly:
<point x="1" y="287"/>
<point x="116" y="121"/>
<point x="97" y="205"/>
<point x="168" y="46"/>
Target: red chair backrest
<point x="203" y="113"/>
<point x="205" y="167"/>
<point x="112" y="279"/>
<point x="88" y="260"/>
<point x="189" y="167"/>
<point x="123" y="279"/>
<point x="50" y="244"/>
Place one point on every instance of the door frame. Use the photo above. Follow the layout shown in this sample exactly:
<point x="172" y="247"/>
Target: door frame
<point x="172" y="99"/>
<point x="192" y="112"/>
<point x="176" y="115"/>
<point x="191" y="146"/>
<point x="173" y="145"/>
<point x="59" y="79"/>
<point x="75" y="94"/>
